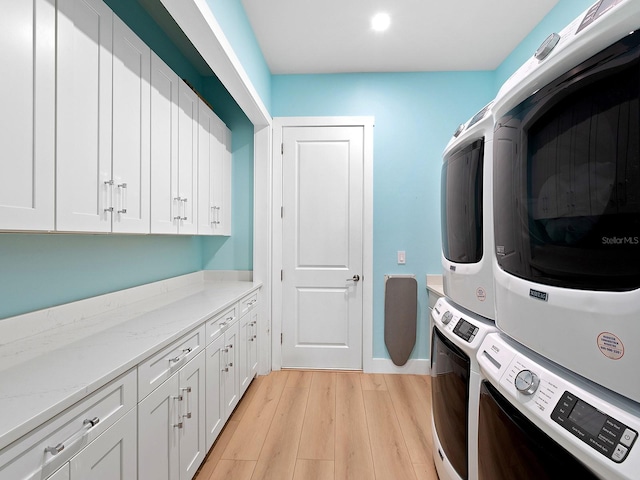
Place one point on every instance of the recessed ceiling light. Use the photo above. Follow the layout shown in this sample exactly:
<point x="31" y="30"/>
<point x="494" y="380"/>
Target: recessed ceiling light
<point x="380" y="22"/>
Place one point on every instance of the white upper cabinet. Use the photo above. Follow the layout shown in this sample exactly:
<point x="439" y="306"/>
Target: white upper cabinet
<point x="131" y="165"/>
<point x="188" y="159"/>
<point x="84" y="93"/>
<point x="164" y="147"/>
<point x="27" y="133"/>
<point x="99" y="134"/>
<point x="103" y="122"/>
<point x="174" y="152"/>
<point x="225" y="216"/>
<point x="210" y="155"/>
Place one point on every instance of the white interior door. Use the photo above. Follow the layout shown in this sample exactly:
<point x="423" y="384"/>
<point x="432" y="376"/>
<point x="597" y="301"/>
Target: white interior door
<point x="322" y="254"/>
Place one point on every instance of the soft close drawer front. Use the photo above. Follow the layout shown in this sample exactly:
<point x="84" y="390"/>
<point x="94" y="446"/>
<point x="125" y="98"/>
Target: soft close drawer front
<point x="43" y="451"/>
<point x="218" y="324"/>
<point x="248" y="302"/>
<point x="155" y="370"/>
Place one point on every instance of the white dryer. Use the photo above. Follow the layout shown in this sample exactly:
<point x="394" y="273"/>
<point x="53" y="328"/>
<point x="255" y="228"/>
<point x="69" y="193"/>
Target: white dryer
<point x="567" y="198"/>
<point x="455" y="384"/>
<point x="538" y="420"/>
<point x="467" y="213"/>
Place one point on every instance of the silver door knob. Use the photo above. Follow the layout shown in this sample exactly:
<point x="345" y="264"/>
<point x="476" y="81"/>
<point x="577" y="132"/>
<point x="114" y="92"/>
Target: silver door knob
<point x="355" y="278"/>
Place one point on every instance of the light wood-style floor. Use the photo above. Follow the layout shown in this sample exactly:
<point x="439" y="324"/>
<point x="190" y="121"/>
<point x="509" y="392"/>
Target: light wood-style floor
<point x="316" y="425"/>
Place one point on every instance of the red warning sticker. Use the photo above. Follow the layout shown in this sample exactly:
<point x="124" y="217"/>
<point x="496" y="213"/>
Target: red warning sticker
<point x="610" y="346"/>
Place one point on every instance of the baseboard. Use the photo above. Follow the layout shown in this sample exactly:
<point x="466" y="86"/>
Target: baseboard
<point x="413" y="366"/>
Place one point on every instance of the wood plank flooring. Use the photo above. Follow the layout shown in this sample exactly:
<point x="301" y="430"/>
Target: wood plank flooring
<point x="321" y="425"/>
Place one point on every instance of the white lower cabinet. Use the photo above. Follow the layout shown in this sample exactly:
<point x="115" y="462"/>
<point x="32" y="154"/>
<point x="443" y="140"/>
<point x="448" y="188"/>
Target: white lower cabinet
<point x="223" y="382"/>
<point x="158" y="420"/>
<point x="216" y="412"/>
<point x="86" y="425"/>
<point x="252" y="354"/>
<point x="230" y="372"/>
<point x="171" y="443"/>
<point x="111" y="456"/>
<point x="248" y="340"/>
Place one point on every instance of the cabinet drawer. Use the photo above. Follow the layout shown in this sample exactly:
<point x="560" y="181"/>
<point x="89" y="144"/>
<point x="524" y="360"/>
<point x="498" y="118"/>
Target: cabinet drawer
<point x="48" y="447"/>
<point x="249" y="302"/>
<point x="216" y="325"/>
<point x="155" y="370"/>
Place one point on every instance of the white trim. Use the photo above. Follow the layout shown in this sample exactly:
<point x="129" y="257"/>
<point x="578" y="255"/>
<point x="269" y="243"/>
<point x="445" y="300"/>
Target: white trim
<point x="367" y="245"/>
<point x="417" y="366"/>
<point x="262" y="165"/>
<point x="196" y="20"/>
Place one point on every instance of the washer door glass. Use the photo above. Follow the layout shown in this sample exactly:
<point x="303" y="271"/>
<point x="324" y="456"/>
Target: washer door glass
<point x="511" y="447"/>
<point x="450" y="371"/>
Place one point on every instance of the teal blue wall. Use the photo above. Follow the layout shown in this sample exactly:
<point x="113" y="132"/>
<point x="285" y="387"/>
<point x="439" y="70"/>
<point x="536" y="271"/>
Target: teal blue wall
<point x="561" y="15"/>
<point x="39" y="271"/>
<point x="415" y="116"/>
<point x="233" y="20"/>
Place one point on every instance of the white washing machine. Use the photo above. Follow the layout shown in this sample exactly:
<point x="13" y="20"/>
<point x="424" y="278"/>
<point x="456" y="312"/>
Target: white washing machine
<point x="455" y="384"/>
<point x="538" y="420"/>
<point x="467" y="213"/>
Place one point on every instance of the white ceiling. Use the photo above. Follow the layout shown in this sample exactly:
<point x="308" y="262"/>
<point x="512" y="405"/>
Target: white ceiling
<point x="333" y="36"/>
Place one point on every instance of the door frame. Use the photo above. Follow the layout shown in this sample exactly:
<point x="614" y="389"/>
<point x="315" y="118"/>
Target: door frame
<point x="367" y="242"/>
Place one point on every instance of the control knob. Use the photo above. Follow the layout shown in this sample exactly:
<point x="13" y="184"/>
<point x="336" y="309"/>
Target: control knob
<point x="446" y="317"/>
<point x="527" y="382"/>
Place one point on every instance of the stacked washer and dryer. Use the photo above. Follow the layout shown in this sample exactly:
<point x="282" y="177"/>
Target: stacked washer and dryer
<point x="553" y="387"/>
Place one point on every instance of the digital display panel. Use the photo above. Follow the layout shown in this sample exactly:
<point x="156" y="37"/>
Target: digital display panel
<point x="464" y="327"/>
<point x="587" y="417"/>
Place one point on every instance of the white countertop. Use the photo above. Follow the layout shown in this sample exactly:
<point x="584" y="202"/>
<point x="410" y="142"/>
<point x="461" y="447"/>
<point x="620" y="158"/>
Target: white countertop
<point x="434" y="284"/>
<point x="45" y="372"/>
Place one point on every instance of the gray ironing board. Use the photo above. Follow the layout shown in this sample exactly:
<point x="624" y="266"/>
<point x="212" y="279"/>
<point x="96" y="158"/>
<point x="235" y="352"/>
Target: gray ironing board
<point x="400" y="316"/>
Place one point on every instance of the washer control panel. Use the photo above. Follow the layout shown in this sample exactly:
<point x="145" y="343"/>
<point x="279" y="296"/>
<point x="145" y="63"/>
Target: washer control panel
<point x="603" y="433"/>
<point x="465" y="330"/>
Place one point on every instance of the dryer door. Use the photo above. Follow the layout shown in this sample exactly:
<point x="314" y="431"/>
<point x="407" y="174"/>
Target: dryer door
<point x="510" y="446"/>
<point x="450" y="372"/>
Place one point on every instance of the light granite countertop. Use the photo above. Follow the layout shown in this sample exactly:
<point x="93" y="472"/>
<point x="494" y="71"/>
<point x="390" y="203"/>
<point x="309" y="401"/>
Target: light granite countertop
<point x="434" y="284"/>
<point x="53" y="358"/>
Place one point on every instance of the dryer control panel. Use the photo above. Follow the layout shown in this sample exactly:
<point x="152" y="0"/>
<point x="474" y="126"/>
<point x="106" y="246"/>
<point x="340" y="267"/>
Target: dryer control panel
<point x="603" y="433"/>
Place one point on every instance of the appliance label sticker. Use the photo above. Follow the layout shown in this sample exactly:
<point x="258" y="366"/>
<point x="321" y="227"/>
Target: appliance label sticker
<point x="544" y="296"/>
<point x="610" y="346"/>
<point x="481" y="294"/>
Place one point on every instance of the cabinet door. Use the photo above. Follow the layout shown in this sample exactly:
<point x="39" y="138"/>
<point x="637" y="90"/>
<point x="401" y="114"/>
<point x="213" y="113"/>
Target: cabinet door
<point x="215" y="398"/>
<point x="164" y="147"/>
<point x="210" y="145"/>
<point x="192" y="434"/>
<point x="231" y="375"/>
<point x="131" y="160"/>
<point x="84" y="81"/>
<point x="243" y="347"/>
<point x="159" y="425"/>
<point x="112" y="455"/>
<point x="27" y="134"/>
<point x="226" y="183"/>
<point x="253" y="341"/>
<point x="188" y="159"/>
<point x="62" y="474"/>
